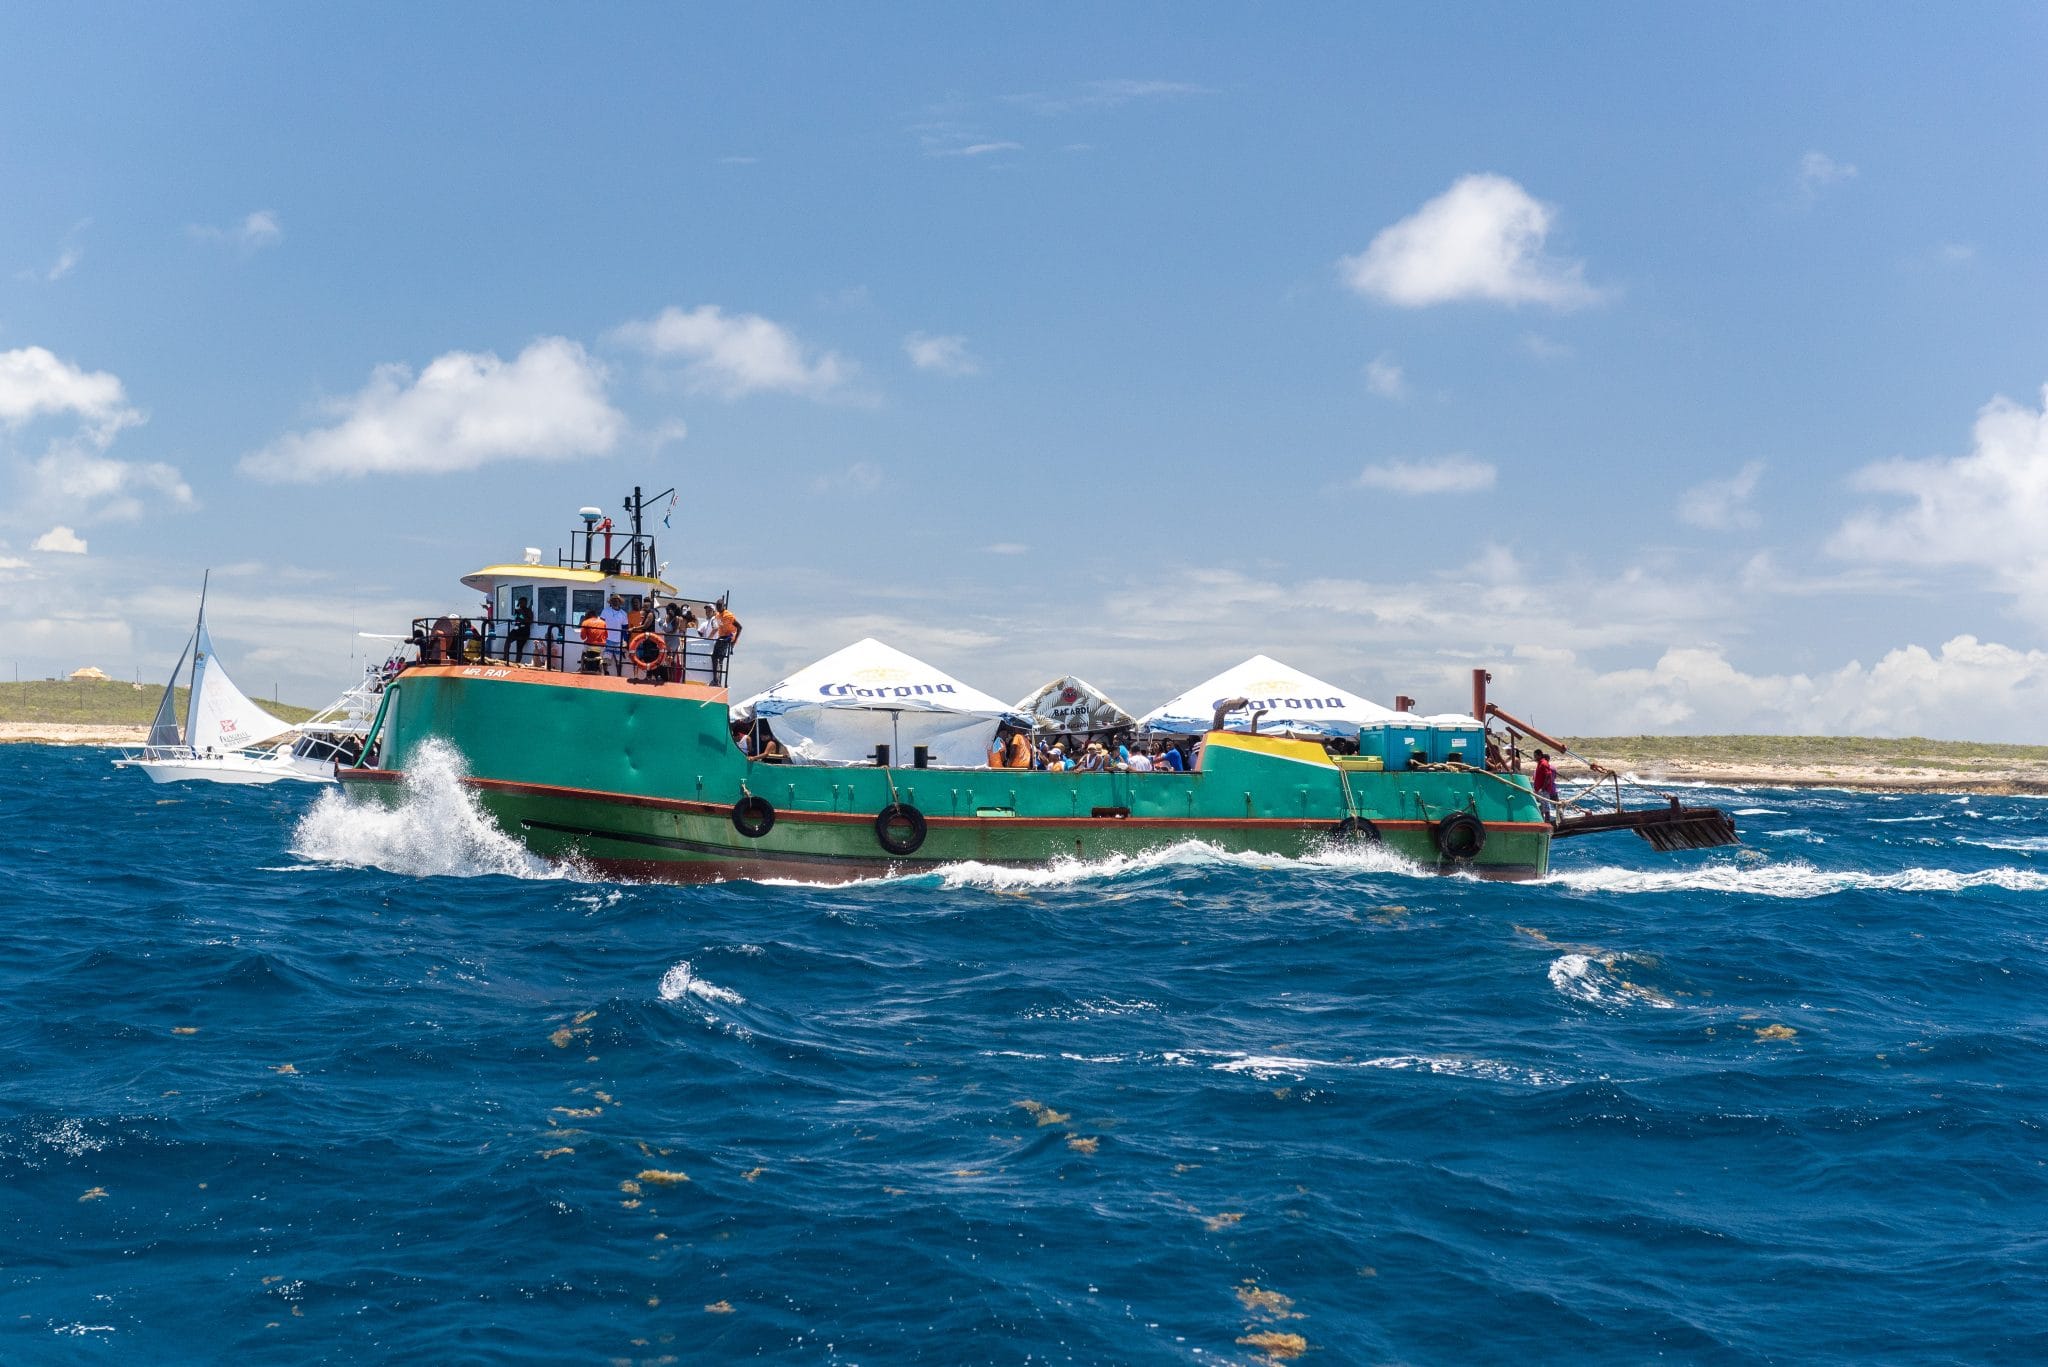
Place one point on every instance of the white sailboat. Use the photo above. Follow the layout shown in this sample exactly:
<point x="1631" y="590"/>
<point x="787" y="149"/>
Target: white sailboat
<point x="224" y="728"/>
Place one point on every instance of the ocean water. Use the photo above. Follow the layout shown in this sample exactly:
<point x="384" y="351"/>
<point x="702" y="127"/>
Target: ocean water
<point x="290" y="1081"/>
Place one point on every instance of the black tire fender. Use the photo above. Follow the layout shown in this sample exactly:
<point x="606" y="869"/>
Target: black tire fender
<point x="888" y="824"/>
<point x="753" y="816"/>
<point x="1355" y="830"/>
<point x="1460" y="837"/>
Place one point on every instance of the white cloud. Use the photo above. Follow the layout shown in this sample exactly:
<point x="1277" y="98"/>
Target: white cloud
<point x="34" y="383"/>
<point x="465" y="410"/>
<point x="1721" y="505"/>
<point x="103" y="488"/>
<point x="1955" y="253"/>
<point x="946" y="355"/>
<point x="1006" y="548"/>
<point x="1106" y="95"/>
<point x="69" y="254"/>
<point x="60" y="540"/>
<point x="738" y="161"/>
<point x="861" y="477"/>
<point x="1385" y="378"/>
<point x="1546" y="348"/>
<point x="733" y="355"/>
<point x="977" y="149"/>
<point x="1818" y="170"/>
<point x="259" y="230"/>
<point x="1965" y="690"/>
<point x="1481" y="239"/>
<point x="74" y="477"/>
<point x="1983" y="511"/>
<point x="1454" y="474"/>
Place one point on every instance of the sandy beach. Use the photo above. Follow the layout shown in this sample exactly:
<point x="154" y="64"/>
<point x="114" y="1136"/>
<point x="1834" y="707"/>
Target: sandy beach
<point x="65" y="733"/>
<point x="2020" y="778"/>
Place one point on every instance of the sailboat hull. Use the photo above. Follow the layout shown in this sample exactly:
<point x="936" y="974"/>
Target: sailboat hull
<point x="228" y="769"/>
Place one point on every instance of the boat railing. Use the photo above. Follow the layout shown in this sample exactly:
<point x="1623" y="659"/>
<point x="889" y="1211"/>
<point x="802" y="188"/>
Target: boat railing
<point x="560" y="647"/>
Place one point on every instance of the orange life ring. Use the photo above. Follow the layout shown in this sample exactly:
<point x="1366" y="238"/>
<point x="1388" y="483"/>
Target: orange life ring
<point x="639" y="652"/>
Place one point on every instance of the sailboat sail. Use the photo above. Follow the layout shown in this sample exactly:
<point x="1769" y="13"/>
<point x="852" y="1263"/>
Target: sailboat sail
<point x="221" y="716"/>
<point x="163" y="732"/>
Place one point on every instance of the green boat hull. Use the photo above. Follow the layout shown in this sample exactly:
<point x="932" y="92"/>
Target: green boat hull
<point x="644" y="781"/>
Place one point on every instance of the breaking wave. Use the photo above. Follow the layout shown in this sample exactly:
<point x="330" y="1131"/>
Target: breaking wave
<point x="1604" y="980"/>
<point x="681" y="982"/>
<point x="1267" y="1067"/>
<point x="1794" y="879"/>
<point x="1186" y="854"/>
<point x="2026" y="844"/>
<point x="437" y="828"/>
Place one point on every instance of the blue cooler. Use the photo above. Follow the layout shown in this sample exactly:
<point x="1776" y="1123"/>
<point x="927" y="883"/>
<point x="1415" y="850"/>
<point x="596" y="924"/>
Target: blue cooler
<point x="1464" y="741"/>
<point x="1394" y="742"/>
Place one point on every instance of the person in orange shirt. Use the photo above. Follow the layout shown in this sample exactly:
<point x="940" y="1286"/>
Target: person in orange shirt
<point x="728" y="637"/>
<point x="593" y="631"/>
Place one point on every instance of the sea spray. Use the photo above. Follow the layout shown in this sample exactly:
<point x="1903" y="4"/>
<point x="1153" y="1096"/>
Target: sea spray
<point x="437" y="828"/>
<point x="681" y="982"/>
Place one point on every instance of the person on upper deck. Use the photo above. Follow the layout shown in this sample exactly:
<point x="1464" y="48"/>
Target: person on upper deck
<point x="728" y="634"/>
<point x="593" y="631"/>
<point x="672" y="616"/>
<point x="520" y="632"/>
<point x="616" y="626"/>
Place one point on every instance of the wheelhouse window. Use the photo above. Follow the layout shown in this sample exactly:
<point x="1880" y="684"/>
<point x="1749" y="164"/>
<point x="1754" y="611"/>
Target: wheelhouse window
<point x="587" y="601"/>
<point x="554" y="604"/>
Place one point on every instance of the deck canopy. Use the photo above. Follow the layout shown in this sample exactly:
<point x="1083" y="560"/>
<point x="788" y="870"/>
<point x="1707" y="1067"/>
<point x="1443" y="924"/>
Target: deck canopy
<point x="1071" y="707"/>
<point x="838" y="710"/>
<point x="1293" y="702"/>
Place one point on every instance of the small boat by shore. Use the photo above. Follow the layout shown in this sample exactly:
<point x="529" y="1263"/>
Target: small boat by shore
<point x="613" y="743"/>
<point x="226" y="737"/>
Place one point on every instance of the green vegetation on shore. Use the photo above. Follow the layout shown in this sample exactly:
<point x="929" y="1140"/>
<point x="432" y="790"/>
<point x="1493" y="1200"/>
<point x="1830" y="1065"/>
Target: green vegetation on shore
<point x="91" y="702"/>
<point x="1807" y="751"/>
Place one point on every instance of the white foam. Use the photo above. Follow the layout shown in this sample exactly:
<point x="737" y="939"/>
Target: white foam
<point x="1182" y="854"/>
<point x="1459" y="1065"/>
<point x="1902" y="820"/>
<point x="682" y="981"/>
<point x="436" y="829"/>
<point x="1269" y="1066"/>
<point x="1598" y="981"/>
<point x="1794" y="879"/>
<point x="2028" y="844"/>
<point x="1759" y="811"/>
<point x="69" y="1137"/>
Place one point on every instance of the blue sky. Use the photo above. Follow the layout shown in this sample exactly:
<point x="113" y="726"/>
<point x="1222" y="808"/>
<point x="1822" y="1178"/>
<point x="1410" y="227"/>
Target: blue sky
<point x="1685" y="367"/>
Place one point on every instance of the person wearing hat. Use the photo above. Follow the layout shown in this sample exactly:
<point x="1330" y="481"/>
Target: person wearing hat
<point x="1544" y="784"/>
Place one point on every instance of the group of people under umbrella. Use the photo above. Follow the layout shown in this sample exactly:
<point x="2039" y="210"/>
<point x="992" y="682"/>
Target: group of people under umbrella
<point x="869" y="703"/>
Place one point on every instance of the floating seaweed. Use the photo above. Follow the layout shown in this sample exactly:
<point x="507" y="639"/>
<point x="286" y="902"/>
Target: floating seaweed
<point x="1277" y="1347"/>
<point x="1046" y="1115"/>
<point x="664" y="1178"/>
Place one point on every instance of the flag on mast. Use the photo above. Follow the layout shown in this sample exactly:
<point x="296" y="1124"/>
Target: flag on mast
<point x="671" y="509"/>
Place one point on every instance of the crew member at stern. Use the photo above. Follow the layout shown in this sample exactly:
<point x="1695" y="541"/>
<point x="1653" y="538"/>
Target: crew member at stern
<point x="728" y="637"/>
